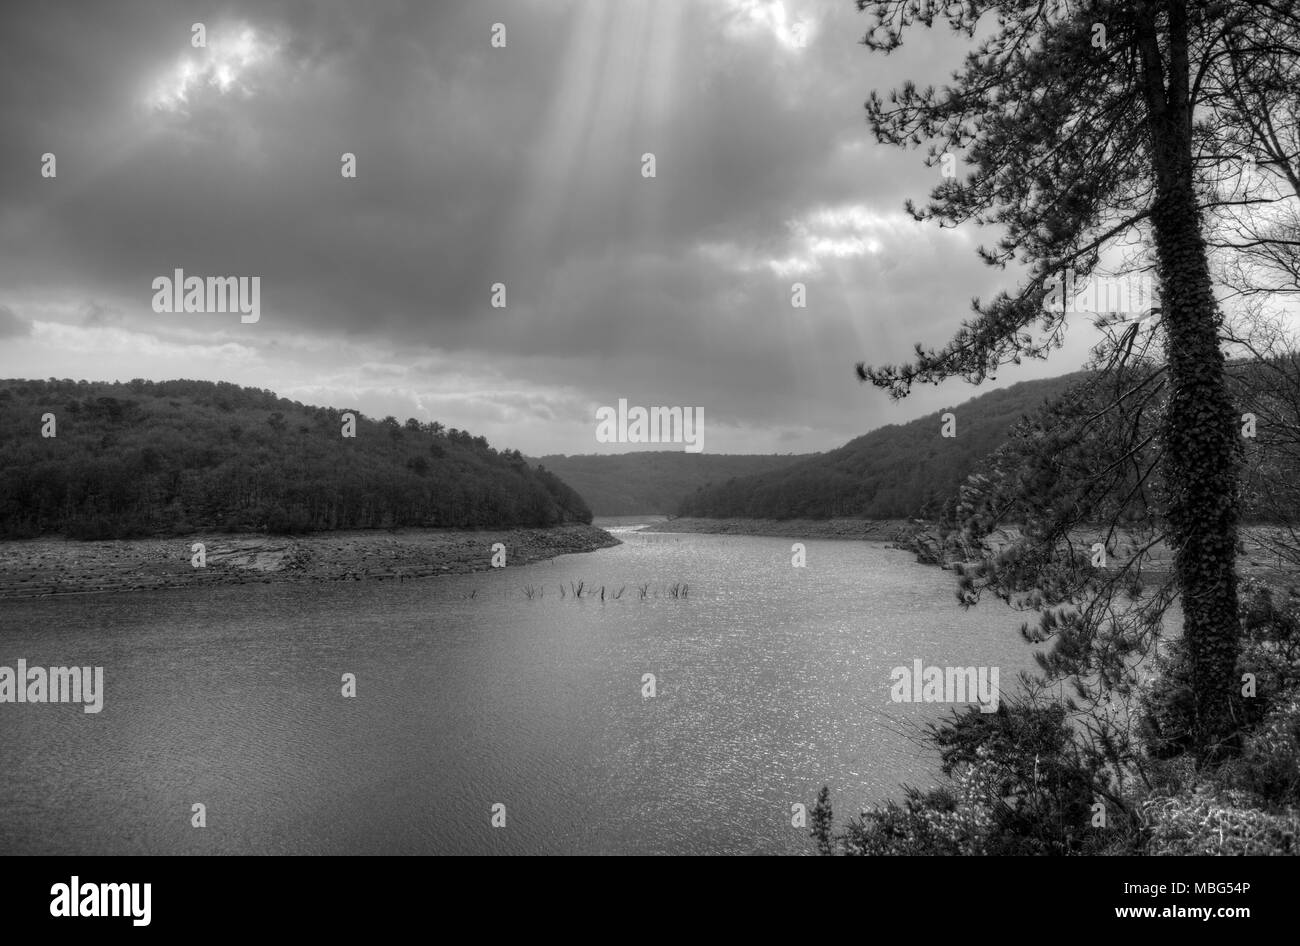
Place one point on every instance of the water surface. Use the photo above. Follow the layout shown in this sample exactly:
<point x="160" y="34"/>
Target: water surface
<point x="770" y="681"/>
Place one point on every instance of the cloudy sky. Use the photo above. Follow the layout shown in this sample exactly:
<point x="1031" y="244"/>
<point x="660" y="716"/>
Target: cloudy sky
<point x="479" y="165"/>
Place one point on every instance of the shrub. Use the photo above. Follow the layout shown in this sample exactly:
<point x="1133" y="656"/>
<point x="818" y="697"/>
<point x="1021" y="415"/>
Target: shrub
<point x="1205" y="821"/>
<point x="1268" y="766"/>
<point x="1019" y="784"/>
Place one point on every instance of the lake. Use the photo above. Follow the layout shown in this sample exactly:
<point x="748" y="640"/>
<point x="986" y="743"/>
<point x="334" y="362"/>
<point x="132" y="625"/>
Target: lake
<point x="769" y="681"/>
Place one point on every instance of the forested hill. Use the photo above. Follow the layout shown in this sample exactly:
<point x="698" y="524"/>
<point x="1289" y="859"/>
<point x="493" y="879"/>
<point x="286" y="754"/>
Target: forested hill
<point x="894" y="471"/>
<point x="654" y="481"/>
<point x="174" y="457"/>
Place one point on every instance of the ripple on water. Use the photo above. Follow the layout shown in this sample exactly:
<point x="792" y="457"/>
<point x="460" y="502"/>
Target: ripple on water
<point x="771" y="680"/>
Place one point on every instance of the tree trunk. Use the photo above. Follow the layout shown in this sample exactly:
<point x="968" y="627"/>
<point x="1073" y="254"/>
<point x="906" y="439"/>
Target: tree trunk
<point x="1199" y="429"/>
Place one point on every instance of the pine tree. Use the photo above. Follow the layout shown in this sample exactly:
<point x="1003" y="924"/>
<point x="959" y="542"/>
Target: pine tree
<point x="1077" y="120"/>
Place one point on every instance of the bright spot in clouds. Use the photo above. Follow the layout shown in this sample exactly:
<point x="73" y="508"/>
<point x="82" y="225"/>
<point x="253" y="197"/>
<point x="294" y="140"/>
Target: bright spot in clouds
<point x="226" y="64"/>
<point x="791" y="30"/>
<point x="840" y="233"/>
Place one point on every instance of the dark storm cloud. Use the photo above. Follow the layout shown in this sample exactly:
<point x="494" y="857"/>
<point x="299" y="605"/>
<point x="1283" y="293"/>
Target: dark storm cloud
<point x="479" y="165"/>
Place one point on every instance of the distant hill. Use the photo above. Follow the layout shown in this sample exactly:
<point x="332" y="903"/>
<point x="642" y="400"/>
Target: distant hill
<point x="653" y="482"/>
<point x="174" y="457"/>
<point x="894" y="471"/>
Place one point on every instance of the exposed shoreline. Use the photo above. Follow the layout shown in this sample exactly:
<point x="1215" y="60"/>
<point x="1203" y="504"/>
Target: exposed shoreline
<point x="873" y="530"/>
<point x="926" y="541"/>
<point x="54" y="566"/>
<point x="1256" y="557"/>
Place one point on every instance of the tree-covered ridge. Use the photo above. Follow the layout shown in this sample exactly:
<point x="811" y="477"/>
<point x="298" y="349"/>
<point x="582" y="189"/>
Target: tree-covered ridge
<point x="647" y="482"/>
<point x="146" y="457"/>
<point x="894" y="471"/>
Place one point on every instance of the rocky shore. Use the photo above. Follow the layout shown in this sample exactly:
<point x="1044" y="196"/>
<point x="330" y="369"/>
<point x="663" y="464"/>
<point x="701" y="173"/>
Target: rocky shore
<point x="48" y="566"/>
